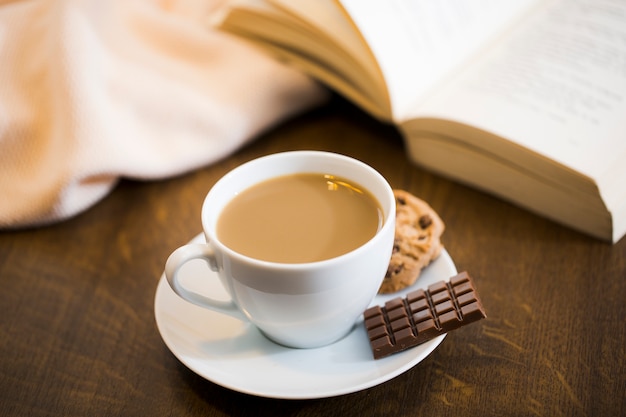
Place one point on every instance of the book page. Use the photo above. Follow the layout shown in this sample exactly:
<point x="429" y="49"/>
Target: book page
<point x="557" y="86"/>
<point x="419" y="43"/>
<point x="327" y="17"/>
<point x="316" y="37"/>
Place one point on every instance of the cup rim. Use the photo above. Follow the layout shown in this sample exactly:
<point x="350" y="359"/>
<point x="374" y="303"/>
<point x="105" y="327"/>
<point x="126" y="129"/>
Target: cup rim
<point x="388" y="207"/>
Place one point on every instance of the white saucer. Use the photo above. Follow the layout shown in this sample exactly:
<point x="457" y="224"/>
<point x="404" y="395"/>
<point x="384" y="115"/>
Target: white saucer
<point x="235" y="355"/>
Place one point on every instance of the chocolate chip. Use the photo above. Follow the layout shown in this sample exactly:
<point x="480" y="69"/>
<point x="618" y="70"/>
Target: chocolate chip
<point x="391" y="271"/>
<point x="396" y="245"/>
<point x="425" y="221"/>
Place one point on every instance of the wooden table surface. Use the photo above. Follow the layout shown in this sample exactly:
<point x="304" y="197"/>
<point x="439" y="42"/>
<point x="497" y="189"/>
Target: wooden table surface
<point x="78" y="335"/>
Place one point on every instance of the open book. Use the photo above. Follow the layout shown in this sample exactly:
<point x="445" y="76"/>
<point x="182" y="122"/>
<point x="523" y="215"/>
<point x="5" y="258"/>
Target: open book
<point x="525" y="99"/>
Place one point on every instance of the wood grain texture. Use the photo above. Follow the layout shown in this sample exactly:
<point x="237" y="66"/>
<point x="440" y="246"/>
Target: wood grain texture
<point x="78" y="335"/>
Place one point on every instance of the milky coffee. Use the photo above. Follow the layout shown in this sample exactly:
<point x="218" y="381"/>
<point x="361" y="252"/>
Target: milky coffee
<point x="300" y="218"/>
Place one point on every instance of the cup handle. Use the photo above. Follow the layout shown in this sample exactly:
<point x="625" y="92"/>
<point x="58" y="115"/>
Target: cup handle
<point x="185" y="254"/>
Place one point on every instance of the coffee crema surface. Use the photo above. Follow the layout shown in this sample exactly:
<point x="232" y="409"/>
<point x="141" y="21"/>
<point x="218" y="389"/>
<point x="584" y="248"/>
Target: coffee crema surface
<point x="300" y="218"/>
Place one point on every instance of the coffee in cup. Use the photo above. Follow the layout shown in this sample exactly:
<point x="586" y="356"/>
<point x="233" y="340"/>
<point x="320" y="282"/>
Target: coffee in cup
<point x="299" y="218"/>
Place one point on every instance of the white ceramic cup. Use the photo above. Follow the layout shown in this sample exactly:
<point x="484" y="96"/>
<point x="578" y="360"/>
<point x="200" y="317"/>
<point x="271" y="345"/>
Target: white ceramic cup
<point x="301" y="305"/>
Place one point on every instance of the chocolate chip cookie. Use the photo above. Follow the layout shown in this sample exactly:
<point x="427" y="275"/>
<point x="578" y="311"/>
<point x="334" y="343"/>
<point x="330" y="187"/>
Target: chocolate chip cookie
<point x="417" y="241"/>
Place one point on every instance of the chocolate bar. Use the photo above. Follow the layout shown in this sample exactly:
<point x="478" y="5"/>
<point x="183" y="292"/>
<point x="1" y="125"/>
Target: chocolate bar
<point x="422" y="315"/>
